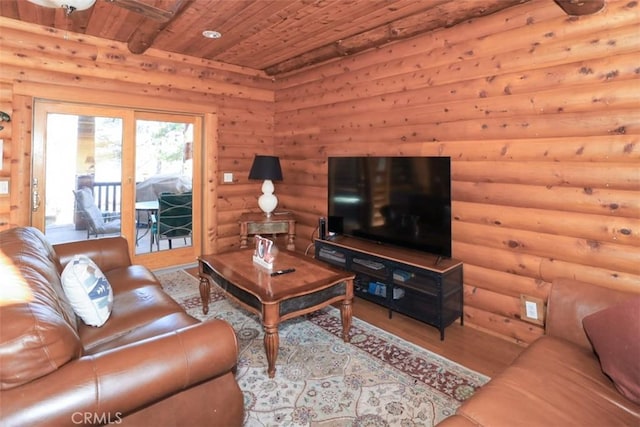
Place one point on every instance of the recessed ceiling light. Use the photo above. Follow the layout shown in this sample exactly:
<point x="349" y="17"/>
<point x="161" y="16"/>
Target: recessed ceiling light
<point x="210" y="34"/>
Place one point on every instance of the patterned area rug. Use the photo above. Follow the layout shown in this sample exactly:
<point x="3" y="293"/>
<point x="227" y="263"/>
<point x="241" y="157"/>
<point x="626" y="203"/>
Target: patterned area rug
<point x="376" y="380"/>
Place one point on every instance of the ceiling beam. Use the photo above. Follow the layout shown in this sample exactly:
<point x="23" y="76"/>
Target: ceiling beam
<point x="581" y="7"/>
<point x="397" y="30"/>
<point x="148" y="11"/>
<point x="155" y="21"/>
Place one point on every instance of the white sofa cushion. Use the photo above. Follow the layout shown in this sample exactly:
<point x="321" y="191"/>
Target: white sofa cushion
<point x="88" y="290"/>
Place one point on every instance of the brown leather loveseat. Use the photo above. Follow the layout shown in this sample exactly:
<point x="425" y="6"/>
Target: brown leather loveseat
<point x="150" y="363"/>
<point x="559" y="380"/>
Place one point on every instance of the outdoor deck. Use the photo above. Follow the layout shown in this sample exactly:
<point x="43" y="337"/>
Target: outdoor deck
<point x="68" y="233"/>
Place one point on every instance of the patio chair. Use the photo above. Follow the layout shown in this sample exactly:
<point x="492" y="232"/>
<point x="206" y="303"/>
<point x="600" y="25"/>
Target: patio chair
<point x="174" y="218"/>
<point x="97" y="221"/>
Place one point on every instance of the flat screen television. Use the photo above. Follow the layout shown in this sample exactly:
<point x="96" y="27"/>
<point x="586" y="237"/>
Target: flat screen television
<point x="402" y="201"/>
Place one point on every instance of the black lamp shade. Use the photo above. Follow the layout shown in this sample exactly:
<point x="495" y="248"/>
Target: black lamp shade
<point x="266" y="167"/>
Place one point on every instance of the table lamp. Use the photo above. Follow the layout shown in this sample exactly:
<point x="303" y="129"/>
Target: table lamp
<point x="268" y="169"/>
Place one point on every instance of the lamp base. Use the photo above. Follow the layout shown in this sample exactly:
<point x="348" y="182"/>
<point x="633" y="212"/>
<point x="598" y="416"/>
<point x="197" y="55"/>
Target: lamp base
<point x="268" y="201"/>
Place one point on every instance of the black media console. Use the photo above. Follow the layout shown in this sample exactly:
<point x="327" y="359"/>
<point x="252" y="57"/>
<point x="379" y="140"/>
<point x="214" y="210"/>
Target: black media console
<point x="420" y="285"/>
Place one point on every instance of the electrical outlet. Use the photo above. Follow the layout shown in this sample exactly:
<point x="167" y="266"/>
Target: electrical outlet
<point x="532" y="309"/>
<point x="227" y="177"/>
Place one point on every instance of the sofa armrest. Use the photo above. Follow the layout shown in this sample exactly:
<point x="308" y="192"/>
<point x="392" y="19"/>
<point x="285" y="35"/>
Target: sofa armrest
<point x="570" y="301"/>
<point x="108" y="253"/>
<point x="117" y="382"/>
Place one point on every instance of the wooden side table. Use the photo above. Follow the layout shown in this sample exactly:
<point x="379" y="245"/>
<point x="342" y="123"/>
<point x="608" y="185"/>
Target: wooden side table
<point x="258" y="223"/>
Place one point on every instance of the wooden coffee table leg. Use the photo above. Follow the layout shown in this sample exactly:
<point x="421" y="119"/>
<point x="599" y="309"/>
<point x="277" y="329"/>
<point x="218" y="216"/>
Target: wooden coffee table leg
<point x="346" y="312"/>
<point x="205" y="293"/>
<point x="271" y="343"/>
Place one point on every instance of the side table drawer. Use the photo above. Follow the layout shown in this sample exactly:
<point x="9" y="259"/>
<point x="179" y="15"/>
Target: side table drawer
<point x="268" y="227"/>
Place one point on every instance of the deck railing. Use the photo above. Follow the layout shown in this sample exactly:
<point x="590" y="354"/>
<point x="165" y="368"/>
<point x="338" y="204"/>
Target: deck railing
<point x="107" y="195"/>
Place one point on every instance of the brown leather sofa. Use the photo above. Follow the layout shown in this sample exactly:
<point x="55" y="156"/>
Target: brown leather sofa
<point x="558" y="380"/>
<point x="149" y="364"/>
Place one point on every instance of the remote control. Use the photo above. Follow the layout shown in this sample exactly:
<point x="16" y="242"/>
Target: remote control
<point x="279" y="272"/>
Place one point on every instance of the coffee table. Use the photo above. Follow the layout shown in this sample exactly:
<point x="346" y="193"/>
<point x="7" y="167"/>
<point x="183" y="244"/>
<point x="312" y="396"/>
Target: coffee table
<point x="312" y="286"/>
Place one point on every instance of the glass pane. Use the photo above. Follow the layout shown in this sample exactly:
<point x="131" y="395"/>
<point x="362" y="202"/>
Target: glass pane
<point x="164" y="168"/>
<point x="83" y="177"/>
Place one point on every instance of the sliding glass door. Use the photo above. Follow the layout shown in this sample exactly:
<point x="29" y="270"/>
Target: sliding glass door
<point x="105" y="171"/>
<point x="164" y="182"/>
<point x="76" y="182"/>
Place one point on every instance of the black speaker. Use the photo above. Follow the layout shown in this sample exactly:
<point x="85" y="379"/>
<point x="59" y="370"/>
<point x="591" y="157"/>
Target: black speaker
<point x="322" y="228"/>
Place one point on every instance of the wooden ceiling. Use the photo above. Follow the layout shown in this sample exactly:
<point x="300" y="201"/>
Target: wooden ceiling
<point x="275" y="36"/>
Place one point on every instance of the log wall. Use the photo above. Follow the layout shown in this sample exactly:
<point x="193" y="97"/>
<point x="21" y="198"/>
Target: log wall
<point x="237" y="104"/>
<point x="540" y="114"/>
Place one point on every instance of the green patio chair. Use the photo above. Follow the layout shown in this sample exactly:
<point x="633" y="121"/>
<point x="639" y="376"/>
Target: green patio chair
<point x="174" y="218"/>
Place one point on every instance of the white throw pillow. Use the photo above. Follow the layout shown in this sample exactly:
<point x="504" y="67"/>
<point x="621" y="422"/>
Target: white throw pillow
<point x="89" y="292"/>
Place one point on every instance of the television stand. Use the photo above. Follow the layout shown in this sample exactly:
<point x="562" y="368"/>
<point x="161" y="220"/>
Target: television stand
<point x="420" y="285"/>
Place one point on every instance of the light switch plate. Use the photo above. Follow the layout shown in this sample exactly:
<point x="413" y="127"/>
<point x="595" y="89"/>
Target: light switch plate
<point x="4" y="187"/>
<point x="228" y="177"/>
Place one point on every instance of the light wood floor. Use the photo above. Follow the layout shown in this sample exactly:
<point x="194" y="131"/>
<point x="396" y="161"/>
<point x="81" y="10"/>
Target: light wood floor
<point x="465" y="345"/>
